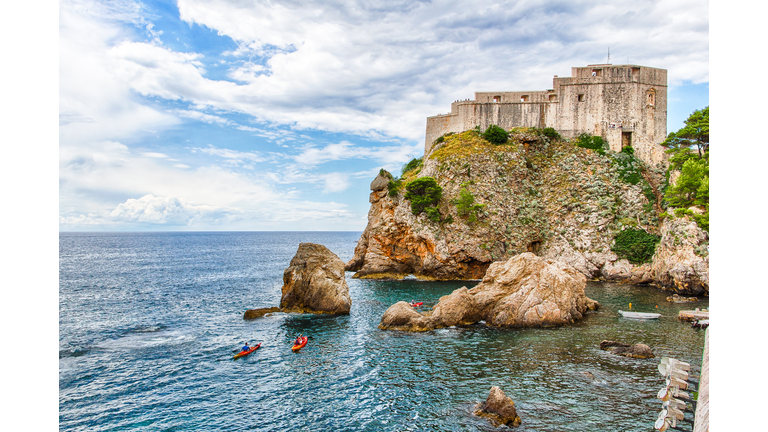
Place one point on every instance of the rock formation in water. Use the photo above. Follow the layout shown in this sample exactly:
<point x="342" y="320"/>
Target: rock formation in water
<point x="681" y="261"/>
<point x="535" y="194"/>
<point x="524" y="291"/>
<point x="637" y="350"/>
<point x="499" y="408"/>
<point x="258" y="313"/>
<point x="314" y="282"/>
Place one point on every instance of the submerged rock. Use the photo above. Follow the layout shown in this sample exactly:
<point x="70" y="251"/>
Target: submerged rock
<point x="314" y="282"/>
<point x="258" y="313"/>
<point x="524" y="291"/>
<point x="637" y="350"/>
<point x="499" y="408"/>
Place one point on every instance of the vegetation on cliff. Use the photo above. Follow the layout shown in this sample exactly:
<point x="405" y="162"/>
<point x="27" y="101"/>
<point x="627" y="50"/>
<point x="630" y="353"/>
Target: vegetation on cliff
<point x="496" y="135"/>
<point x="424" y="193"/>
<point x="538" y="188"/>
<point x="689" y="194"/>
<point x="636" y="245"/>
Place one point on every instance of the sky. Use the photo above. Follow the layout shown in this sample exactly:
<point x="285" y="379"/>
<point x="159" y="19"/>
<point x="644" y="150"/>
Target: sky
<point x="223" y="115"/>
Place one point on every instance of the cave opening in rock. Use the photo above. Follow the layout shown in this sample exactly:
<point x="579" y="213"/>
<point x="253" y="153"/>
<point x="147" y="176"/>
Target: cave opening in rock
<point x="534" y="247"/>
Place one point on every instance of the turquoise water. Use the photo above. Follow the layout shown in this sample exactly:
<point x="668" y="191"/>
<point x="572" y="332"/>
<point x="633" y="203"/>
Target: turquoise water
<point x="148" y="323"/>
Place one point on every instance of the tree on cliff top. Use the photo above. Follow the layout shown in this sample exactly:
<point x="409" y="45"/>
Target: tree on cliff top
<point x="695" y="133"/>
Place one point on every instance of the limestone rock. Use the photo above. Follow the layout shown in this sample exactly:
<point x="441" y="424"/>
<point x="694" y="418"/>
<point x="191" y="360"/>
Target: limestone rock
<point x="380" y="182"/>
<point x="681" y="261"/>
<point x="524" y="291"/>
<point x="314" y="282"/>
<point x="637" y="350"/>
<point x="499" y="408"/>
<point x="258" y="313"/>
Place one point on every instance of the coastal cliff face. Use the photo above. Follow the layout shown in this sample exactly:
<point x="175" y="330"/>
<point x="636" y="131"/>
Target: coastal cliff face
<point x="681" y="261"/>
<point x="534" y="194"/>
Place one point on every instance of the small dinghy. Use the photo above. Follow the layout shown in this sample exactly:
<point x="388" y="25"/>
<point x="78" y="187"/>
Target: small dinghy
<point x="639" y="315"/>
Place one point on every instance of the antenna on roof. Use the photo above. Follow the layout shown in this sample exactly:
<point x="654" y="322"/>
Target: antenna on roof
<point x="609" y="56"/>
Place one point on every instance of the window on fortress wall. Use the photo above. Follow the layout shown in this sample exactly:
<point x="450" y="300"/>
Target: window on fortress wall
<point x="635" y="72"/>
<point x="552" y="98"/>
<point x="651" y="97"/>
<point x="524" y="98"/>
<point x="581" y="97"/>
<point x="597" y="72"/>
<point x="497" y="99"/>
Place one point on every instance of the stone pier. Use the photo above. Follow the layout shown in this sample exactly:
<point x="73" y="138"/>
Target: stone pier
<point x="701" y="423"/>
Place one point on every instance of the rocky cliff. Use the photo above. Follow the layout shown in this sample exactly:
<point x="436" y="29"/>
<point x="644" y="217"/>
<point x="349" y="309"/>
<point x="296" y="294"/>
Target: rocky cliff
<point x="534" y="194"/>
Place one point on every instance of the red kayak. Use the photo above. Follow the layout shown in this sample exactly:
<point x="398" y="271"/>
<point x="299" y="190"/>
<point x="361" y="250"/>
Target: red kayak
<point x="417" y="304"/>
<point x="303" y="341"/>
<point x="245" y="353"/>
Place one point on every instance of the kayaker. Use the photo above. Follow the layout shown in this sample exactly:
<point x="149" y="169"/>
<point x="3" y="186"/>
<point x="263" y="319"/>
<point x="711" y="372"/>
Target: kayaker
<point x="298" y="340"/>
<point x="246" y="347"/>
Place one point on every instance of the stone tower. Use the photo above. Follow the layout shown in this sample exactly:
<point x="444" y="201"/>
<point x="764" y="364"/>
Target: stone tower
<point x="624" y="104"/>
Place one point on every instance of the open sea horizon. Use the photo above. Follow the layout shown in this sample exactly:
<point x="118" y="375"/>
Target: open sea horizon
<point x="148" y="322"/>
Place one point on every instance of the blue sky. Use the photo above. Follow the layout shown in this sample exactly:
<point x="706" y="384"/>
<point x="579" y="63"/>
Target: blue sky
<point x="224" y="115"/>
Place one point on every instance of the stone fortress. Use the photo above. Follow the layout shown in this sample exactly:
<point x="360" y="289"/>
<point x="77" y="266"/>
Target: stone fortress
<point x="624" y="104"/>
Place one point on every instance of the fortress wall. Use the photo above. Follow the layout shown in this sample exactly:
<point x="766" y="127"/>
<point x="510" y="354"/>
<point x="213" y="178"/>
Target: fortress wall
<point x="625" y="104"/>
<point x="514" y="96"/>
<point x="440" y="125"/>
<point x="505" y="115"/>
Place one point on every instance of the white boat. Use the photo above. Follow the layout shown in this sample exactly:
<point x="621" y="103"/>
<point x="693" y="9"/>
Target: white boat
<point x="639" y="315"/>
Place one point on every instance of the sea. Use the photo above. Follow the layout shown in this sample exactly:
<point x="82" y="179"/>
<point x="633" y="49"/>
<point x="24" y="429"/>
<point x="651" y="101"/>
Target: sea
<point x="149" y="323"/>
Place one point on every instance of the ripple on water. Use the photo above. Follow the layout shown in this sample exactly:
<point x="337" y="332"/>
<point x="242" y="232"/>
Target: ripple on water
<point x="149" y="322"/>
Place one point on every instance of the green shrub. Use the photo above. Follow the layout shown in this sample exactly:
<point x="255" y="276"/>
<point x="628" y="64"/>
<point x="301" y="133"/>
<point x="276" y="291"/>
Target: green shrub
<point x="636" y="245"/>
<point x="394" y="187"/>
<point x="628" y="167"/>
<point x="424" y="193"/>
<point x="496" y="135"/>
<point x="595" y="143"/>
<point x="551" y="133"/>
<point x="439" y="139"/>
<point x="412" y="165"/>
<point x="465" y="205"/>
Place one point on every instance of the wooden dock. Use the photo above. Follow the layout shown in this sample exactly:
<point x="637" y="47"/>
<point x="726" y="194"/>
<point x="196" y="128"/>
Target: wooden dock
<point x="701" y="422"/>
<point x="691" y="315"/>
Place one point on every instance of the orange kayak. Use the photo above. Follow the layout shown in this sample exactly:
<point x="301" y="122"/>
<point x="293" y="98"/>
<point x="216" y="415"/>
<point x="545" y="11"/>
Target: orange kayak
<point x="245" y="353"/>
<point x="297" y="347"/>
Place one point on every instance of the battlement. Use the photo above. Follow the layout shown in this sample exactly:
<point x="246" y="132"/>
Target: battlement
<point x="625" y="104"/>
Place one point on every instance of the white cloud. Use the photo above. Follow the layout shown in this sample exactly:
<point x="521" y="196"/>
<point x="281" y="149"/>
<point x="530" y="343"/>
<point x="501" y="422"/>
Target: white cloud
<point x="207" y="118"/>
<point x="170" y="211"/>
<point x="335" y="182"/>
<point x="232" y="155"/>
<point x="155" y="155"/>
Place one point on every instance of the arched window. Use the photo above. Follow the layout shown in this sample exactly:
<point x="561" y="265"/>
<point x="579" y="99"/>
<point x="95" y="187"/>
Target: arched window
<point x="497" y="99"/>
<point x="651" y="97"/>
